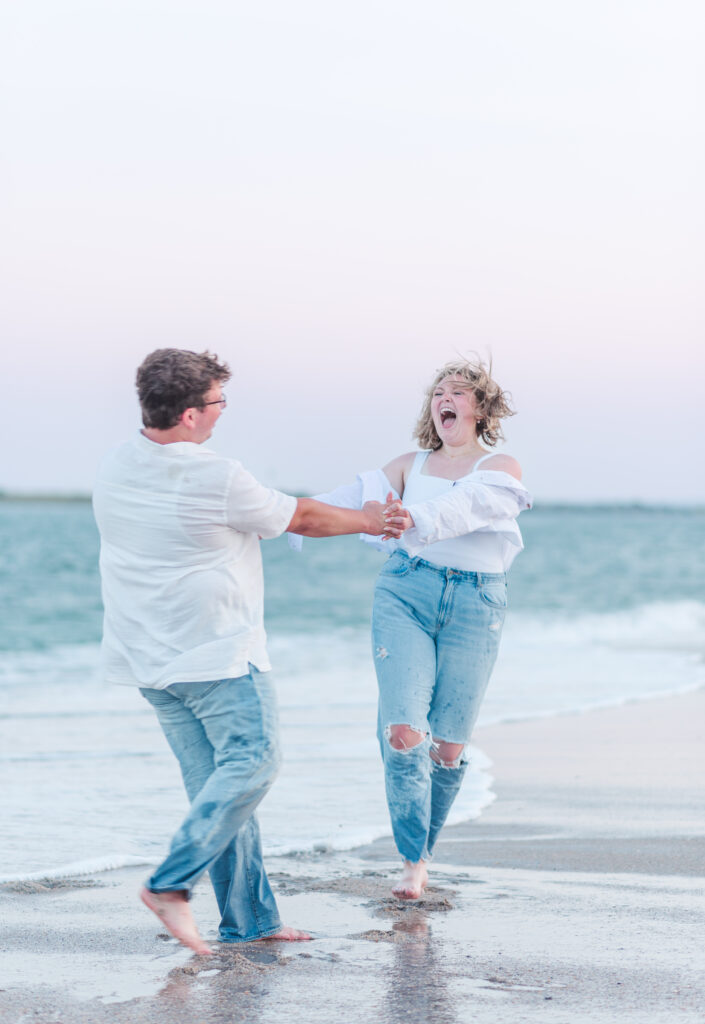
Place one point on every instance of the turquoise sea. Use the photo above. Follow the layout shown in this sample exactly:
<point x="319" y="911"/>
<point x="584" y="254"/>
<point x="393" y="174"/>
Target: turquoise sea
<point x="607" y="604"/>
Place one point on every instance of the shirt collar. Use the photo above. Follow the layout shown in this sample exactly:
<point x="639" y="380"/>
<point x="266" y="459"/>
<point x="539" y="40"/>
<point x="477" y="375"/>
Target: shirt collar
<point x="172" y="450"/>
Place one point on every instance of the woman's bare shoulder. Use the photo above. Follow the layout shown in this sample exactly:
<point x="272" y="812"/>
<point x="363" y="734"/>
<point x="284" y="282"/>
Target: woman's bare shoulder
<point x="503" y="464"/>
<point x="404" y="461"/>
<point x="397" y="471"/>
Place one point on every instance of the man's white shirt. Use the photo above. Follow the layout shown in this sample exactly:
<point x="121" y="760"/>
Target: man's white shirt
<point x="180" y="563"/>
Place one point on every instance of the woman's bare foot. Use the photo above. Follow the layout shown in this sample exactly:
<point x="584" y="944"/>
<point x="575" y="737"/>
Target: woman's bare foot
<point x="287" y="934"/>
<point x="413" y="881"/>
<point x="173" y="910"/>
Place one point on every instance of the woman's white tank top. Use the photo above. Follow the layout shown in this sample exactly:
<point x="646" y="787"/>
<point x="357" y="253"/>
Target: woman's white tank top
<point x="479" y="551"/>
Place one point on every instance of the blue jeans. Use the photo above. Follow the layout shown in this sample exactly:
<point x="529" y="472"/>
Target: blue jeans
<point x="435" y="636"/>
<point x="224" y="734"/>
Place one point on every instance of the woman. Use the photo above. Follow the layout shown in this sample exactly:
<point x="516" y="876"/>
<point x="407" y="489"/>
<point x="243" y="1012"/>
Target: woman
<point x="440" y="602"/>
<point x="440" y="599"/>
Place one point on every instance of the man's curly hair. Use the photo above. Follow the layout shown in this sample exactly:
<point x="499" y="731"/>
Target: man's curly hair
<point x="172" y="380"/>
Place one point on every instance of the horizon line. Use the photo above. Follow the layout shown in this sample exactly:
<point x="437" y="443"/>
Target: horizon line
<point x="82" y="497"/>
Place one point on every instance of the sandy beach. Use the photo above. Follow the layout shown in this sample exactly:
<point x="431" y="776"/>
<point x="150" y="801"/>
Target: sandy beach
<point x="577" y="896"/>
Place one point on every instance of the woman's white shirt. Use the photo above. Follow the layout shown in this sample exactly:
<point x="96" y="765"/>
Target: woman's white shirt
<point x="485" y="502"/>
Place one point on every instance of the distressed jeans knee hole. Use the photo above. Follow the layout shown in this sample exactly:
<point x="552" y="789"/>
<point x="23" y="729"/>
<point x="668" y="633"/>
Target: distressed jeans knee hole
<point x="403" y="738"/>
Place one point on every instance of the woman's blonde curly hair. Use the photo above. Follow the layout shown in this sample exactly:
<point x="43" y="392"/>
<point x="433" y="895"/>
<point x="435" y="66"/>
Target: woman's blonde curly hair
<point x="492" y="403"/>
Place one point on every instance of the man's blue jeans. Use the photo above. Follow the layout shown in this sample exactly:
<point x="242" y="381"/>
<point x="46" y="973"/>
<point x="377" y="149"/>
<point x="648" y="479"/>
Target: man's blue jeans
<point x="224" y="734"/>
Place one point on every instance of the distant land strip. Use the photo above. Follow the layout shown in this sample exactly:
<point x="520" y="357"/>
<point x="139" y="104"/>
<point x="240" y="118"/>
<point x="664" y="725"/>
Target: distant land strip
<point x="78" y="497"/>
<point x="42" y="496"/>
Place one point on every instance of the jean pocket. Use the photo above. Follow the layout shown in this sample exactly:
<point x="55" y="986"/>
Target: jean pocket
<point x="395" y="566"/>
<point x="494" y="595"/>
<point x="189" y="691"/>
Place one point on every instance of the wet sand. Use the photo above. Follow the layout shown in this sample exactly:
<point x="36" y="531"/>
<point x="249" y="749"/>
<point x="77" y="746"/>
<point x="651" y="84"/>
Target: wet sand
<point x="579" y="895"/>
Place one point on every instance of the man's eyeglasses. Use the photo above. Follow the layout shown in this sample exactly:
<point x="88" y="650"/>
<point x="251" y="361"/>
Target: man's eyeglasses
<point x="219" y="401"/>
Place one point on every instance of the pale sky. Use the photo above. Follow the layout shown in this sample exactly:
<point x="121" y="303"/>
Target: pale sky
<point x="337" y="199"/>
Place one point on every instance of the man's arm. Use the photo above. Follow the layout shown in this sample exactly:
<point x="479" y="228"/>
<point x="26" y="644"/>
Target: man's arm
<point x="315" y="519"/>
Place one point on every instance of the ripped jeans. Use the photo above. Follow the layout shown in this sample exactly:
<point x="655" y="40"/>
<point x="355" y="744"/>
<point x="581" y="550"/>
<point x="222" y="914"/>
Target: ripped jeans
<point x="435" y="636"/>
<point x="224" y="735"/>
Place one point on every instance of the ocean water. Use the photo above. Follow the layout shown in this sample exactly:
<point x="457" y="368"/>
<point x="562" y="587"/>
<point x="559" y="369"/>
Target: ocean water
<point x="607" y="605"/>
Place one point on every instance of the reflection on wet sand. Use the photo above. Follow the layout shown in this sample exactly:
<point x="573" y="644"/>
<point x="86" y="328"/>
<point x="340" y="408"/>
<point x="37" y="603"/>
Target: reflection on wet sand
<point x="417" y="985"/>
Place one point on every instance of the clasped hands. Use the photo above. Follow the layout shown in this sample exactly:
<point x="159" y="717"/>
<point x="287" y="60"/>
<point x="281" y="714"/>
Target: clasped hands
<point x="392" y="518"/>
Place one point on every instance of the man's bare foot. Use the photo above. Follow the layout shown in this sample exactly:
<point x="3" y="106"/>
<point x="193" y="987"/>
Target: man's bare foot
<point x="413" y="881"/>
<point x="174" y="912"/>
<point x="287" y="934"/>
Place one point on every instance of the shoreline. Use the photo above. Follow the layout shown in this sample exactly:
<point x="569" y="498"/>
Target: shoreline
<point x="578" y="895"/>
<point x="116" y="861"/>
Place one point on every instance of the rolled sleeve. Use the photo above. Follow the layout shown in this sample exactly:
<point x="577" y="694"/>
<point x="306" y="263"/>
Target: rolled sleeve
<point x="253" y="508"/>
<point x="345" y="496"/>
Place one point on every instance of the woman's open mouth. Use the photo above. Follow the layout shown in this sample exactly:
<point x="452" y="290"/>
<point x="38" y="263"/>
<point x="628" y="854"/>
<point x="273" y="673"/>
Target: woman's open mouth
<point x="447" y="417"/>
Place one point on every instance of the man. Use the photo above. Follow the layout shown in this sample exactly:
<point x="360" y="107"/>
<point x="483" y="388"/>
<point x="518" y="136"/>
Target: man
<point x="183" y="594"/>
